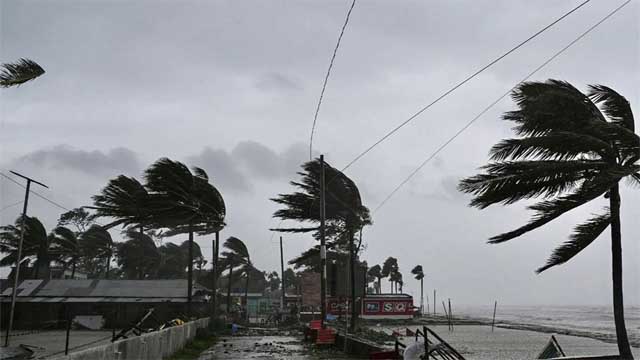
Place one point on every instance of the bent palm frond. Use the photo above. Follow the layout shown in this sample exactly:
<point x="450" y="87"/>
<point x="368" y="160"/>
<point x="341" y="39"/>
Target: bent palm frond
<point x="583" y="236"/>
<point x="19" y="72"/>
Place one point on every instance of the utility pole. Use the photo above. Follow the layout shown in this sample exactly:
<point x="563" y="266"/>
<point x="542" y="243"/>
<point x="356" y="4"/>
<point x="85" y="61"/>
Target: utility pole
<point x="284" y="286"/>
<point x="323" y="248"/>
<point x="214" y="271"/>
<point x="17" y="273"/>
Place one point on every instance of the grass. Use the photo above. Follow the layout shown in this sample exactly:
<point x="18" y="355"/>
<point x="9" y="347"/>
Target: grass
<point x="194" y="348"/>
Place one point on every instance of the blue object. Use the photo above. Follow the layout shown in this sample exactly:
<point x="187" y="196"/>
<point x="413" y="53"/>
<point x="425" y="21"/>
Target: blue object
<point x="234" y="329"/>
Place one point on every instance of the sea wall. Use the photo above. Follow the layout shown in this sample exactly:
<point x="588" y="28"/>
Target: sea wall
<point x="150" y="346"/>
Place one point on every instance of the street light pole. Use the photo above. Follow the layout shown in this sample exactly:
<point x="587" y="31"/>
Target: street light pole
<point x="14" y="290"/>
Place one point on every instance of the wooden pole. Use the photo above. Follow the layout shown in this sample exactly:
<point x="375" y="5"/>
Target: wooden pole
<point x="323" y="248"/>
<point x="434" y="302"/>
<point x="447" y="316"/>
<point x="66" y="342"/>
<point x="493" y="322"/>
<point x="450" y="314"/>
<point x="14" y="289"/>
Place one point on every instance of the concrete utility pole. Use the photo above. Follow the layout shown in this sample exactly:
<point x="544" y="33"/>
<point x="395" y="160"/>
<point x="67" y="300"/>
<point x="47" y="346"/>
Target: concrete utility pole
<point x="17" y="273"/>
<point x="214" y="275"/>
<point x="323" y="248"/>
<point x="284" y="286"/>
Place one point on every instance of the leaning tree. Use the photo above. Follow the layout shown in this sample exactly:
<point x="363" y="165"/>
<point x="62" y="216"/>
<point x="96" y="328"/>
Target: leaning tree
<point x="419" y="275"/>
<point x="572" y="149"/>
<point x="19" y="72"/>
<point x="184" y="202"/>
<point x="344" y="211"/>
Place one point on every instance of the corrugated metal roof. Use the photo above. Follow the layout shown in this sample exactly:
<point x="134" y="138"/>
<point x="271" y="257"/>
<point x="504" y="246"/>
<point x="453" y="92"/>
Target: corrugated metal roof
<point x="103" y="290"/>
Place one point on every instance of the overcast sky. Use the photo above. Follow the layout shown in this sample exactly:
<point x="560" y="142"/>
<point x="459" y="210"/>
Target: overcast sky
<point x="231" y="86"/>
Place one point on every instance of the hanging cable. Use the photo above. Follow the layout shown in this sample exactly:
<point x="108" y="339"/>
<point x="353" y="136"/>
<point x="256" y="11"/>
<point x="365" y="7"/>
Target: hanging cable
<point x="484" y="111"/>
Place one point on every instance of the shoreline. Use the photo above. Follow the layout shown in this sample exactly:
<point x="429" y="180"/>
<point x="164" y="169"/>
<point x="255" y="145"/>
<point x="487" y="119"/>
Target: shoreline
<point x="467" y="320"/>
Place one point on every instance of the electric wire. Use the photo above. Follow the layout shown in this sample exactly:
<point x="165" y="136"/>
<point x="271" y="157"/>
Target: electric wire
<point x="458" y="85"/>
<point x="326" y="79"/>
<point x="486" y="109"/>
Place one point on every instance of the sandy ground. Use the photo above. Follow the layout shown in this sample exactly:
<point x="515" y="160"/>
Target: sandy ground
<point x="52" y="342"/>
<point x="478" y="342"/>
<point x="266" y="347"/>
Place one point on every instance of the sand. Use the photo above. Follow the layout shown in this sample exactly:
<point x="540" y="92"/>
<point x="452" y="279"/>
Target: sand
<point x="478" y="342"/>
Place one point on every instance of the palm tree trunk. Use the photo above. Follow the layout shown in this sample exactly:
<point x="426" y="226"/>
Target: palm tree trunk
<point x="246" y="298"/>
<point x="190" y="270"/>
<point x="422" y="296"/>
<point x="229" y="288"/>
<point x="106" y="274"/>
<point x="379" y="285"/>
<point x="616" y="257"/>
<point x="73" y="269"/>
<point x="352" y="275"/>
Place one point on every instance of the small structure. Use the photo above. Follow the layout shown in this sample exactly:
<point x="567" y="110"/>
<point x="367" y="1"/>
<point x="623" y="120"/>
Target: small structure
<point x="49" y="302"/>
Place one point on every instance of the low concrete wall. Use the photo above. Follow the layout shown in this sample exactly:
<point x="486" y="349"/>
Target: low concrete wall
<point x="150" y="346"/>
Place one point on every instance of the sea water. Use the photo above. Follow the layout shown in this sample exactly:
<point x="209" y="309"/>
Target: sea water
<point x="596" y="321"/>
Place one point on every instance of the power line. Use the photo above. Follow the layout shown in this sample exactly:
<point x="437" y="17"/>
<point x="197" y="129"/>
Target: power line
<point x="35" y="193"/>
<point x="12" y="205"/>
<point x="387" y="135"/>
<point x="326" y="78"/>
<point x="446" y="143"/>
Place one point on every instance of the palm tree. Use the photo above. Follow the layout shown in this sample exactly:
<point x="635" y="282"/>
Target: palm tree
<point x="184" y="203"/>
<point x="419" y="275"/>
<point x="376" y="272"/>
<point x="573" y="148"/>
<point x="344" y="211"/>
<point x="125" y="200"/>
<point x="19" y="72"/>
<point x="36" y="243"/>
<point x="96" y="244"/>
<point x="396" y="279"/>
<point x="138" y="257"/>
<point x="237" y="255"/>
<point x="389" y="267"/>
<point x="66" y="248"/>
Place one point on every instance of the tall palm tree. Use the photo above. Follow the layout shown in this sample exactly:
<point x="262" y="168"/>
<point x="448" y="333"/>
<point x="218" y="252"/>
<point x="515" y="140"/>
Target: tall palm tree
<point x="396" y="279"/>
<point x="96" y="244"/>
<point x="389" y="267"/>
<point x="65" y="247"/>
<point x="344" y="210"/>
<point x="376" y="272"/>
<point x="19" y="72"/>
<point x="36" y="244"/>
<point x="184" y="202"/>
<point x="419" y="275"/>
<point x="237" y="254"/>
<point x="572" y="149"/>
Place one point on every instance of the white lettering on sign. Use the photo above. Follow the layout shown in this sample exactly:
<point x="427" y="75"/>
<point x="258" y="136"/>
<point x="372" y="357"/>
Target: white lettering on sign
<point x="400" y="307"/>
<point x="387" y="307"/>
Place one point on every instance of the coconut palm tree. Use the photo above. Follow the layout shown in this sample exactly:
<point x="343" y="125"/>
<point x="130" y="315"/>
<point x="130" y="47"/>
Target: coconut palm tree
<point x="138" y="257"/>
<point x="237" y="255"/>
<point x="344" y="211"/>
<point x="573" y="148"/>
<point x="389" y="267"/>
<point x="184" y="202"/>
<point x="65" y="247"/>
<point x="376" y="272"/>
<point x="36" y="244"/>
<point x="419" y="275"/>
<point x="96" y="246"/>
<point x="19" y="72"/>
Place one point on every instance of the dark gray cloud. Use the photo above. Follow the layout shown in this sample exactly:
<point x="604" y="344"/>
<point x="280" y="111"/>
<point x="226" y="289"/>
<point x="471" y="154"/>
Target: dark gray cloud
<point x="221" y="168"/>
<point x="95" y="163"/>
<point x="277" y="82"/>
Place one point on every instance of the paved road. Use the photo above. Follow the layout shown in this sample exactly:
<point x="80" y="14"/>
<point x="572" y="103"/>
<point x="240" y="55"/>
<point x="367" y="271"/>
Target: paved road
<point x="48" y="343"/>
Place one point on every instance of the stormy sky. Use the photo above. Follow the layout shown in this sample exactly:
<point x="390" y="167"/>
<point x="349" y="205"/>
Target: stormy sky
<point x="231" y="86"/>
